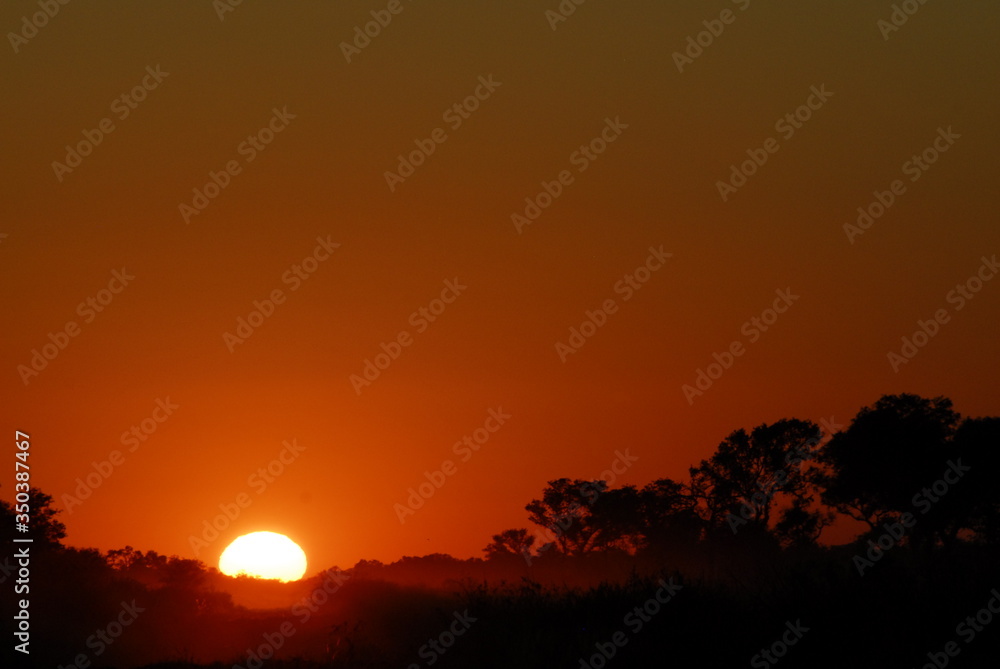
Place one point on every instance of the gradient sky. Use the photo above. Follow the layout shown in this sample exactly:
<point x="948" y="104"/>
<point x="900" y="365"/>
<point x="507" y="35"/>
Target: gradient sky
<point x="494" y="346"/>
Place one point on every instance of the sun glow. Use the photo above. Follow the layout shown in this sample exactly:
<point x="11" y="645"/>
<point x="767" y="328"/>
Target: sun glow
<point x="264" y="555"/>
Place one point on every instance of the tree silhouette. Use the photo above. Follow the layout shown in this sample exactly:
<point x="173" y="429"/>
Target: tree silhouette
<point x="974" y="502"/>
<point x="887" y="454"/>
<point x="510" y="542"/>
<point x="800" y="525"/>
<point x="184" y="573"/>
<point x="668" y="515"/>
<point x="565" y="512"/>
<point x="616" y="517"/>
<point x="123" y="559"/>
<point x="742" y="482"/>
<point x="45" y="529"/>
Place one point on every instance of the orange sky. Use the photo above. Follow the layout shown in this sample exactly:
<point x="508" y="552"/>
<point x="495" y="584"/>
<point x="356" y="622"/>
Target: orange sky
<point x="669" y="137"/>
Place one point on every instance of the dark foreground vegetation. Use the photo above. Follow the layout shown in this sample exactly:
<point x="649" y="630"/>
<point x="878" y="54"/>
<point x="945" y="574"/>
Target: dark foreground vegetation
<point x="721" y="569"/>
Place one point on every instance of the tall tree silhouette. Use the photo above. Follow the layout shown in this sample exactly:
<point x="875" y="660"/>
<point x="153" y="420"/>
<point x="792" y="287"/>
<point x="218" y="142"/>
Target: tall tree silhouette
<point x="888" y="453"/>
<point x="668" y="515"/>
<point x="974" y="502"/>
<point x="742" y="483"/>
<point x="577" y="515"/>
<point x="617" y="516"/>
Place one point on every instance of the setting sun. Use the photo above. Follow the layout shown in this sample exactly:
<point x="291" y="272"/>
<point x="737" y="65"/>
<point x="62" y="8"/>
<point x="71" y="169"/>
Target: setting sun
<point x="264" y="555"/>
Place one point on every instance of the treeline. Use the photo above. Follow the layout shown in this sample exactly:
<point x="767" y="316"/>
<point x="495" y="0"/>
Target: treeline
<point x="905" y="458"/>
<point x="740" y="532"/>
